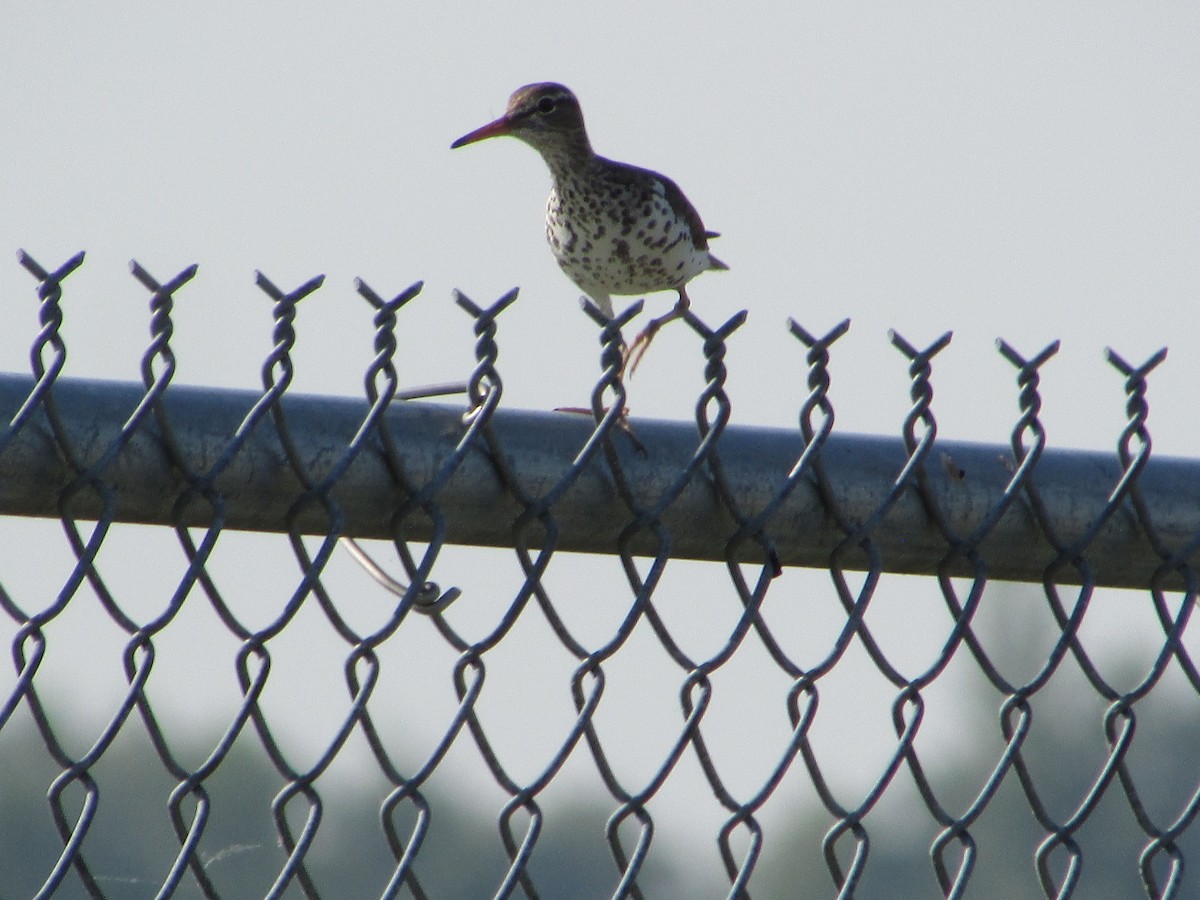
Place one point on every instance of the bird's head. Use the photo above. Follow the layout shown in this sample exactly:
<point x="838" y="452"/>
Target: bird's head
<point x="545" y="116"/>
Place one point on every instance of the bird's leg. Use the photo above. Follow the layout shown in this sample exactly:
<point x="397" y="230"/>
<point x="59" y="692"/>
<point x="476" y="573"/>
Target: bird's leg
<point x="623" y="423"/>
<point x="641" y="343"/>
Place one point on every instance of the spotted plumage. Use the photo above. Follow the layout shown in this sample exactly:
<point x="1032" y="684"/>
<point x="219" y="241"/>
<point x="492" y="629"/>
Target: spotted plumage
<point x="614" y="229"/>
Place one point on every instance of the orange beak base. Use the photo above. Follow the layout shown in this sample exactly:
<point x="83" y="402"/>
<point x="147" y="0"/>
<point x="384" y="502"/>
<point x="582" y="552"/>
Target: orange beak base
<point x="491" y="129"/>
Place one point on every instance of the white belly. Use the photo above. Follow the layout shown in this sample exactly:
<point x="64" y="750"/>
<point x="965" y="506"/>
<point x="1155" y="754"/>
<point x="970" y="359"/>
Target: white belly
<point x="619" y="253"/>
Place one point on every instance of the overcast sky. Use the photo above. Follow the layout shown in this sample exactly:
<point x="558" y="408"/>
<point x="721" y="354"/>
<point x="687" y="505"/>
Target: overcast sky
<point x="1023" y="170"/>
<point x="1020" y="170"/>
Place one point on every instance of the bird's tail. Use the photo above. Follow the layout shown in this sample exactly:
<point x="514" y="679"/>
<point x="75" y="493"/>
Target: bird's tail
<point x="713" y="262"/>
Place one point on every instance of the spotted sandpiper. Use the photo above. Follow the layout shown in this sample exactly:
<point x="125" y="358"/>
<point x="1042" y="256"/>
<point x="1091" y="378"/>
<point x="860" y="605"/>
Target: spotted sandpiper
<point x="614" y="228"/>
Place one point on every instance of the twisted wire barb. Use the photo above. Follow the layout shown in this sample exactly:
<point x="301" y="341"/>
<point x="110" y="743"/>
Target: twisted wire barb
<point x="49" y="342"/>
<point x="906" y="723"/>
<point x="426" y="597"/>
<point x="956" y="829"/>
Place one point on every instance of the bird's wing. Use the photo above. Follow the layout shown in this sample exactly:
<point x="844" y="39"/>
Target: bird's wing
<point x="655" y="183"/>
<point x="684" y="209"/>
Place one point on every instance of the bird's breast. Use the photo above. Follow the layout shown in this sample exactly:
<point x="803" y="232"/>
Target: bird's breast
<point x="620" y="239"/>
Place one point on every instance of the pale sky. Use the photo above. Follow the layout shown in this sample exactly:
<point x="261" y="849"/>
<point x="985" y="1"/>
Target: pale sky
<point x="1020" y="170"/>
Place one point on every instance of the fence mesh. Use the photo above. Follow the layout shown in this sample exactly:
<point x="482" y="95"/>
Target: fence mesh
<point x="889" y="659"/>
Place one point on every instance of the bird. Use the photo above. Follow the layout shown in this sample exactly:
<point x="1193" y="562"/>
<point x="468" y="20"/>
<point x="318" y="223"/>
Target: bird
<point x="613" y="228"/>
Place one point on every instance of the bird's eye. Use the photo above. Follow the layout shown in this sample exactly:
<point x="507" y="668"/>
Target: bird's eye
<point x="546" y="105"/>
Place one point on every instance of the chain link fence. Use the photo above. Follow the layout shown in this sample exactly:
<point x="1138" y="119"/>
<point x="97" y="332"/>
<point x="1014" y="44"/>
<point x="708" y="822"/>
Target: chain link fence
<point x="767" y="585"/>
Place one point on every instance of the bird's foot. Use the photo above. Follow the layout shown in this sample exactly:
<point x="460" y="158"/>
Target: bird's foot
<point x="635" y="351"/>
<point x="622" y="423"/>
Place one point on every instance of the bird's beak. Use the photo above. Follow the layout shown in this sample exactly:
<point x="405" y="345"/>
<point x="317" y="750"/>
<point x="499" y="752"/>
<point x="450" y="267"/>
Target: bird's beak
<point x="491" y="129"/>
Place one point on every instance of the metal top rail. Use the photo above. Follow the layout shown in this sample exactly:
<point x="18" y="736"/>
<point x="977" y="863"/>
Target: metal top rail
<point x="966" y="485"/>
